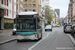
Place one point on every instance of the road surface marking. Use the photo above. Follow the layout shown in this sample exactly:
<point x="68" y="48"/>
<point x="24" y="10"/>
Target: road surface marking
<point x="38" y="42"/>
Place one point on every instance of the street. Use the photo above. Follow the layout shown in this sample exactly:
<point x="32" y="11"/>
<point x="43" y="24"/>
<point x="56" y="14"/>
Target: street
<point x="55" y="40"/>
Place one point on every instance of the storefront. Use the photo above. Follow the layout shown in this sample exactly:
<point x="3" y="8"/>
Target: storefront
<point x="1" y="21"/>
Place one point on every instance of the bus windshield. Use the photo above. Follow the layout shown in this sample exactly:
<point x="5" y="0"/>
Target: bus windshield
<point x="26" y="25"/>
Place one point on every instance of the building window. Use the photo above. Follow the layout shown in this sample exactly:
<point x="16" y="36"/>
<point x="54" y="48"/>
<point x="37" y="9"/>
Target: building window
<point x="7" y="2"/>
<point x="25" y="5"/>
<point x="2" y="1"/>
<point x="34" y="5"/>
<point x="29" y="0"/>
<point x="33" y="10"/>
<point x="7" y="13"/>
<point x="29" y="5"/>
<point x="33" y="0"/>
<point x="25" y="10"/>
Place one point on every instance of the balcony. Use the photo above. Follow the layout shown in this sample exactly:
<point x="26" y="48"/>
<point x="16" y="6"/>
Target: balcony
<point x="3" y="6"/>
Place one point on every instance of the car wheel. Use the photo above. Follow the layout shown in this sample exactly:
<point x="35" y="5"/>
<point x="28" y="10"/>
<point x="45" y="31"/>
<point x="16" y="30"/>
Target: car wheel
<point x="64" y="31"/>
<point x="45" y="30"/>
<point x="51" y="29"/>
<point x="14" y="33"/>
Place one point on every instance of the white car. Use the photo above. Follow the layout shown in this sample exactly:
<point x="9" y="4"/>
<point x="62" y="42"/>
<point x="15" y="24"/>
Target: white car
<point x="48" y="28"/>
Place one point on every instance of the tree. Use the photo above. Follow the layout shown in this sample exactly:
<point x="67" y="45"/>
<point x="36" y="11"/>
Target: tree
<point x="48" y="14"/>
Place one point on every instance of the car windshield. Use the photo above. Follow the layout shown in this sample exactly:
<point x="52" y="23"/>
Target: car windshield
<point x="68" y="27"/>
<point x="26" y="25"/>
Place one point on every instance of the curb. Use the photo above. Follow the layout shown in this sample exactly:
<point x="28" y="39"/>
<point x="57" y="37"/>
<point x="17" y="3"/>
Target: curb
<point x="72" y="39"/>
<point x="7" y="41"/>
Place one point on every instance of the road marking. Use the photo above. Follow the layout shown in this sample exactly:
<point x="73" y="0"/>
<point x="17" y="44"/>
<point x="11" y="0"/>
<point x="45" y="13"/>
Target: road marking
<point x="38" y="42"/>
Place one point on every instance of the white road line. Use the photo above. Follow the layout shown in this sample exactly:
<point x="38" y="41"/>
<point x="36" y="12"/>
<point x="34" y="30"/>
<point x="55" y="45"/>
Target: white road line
<point x="38" y="42"/>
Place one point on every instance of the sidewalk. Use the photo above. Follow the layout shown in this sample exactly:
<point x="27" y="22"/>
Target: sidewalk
<point x="72" y="39"/>
<point x="7" y="37"/>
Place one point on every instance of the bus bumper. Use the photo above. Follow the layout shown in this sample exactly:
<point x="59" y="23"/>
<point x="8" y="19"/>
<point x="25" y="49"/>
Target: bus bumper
<point x="26" y="37"/>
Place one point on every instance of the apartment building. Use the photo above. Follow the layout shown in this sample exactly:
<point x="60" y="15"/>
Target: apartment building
<point x="70" y="13"/>
<point x="47" y="2"/>
<point x="33" y="5"/>
<point x="55" y="18"/>
<point x="66" y="19"/>
<point x="58" y="12"/>
<point x="3" y="7"/>
<point x="36" y="6"/>
<point x="10" y="13"/>
<point x="73" y="16"/>
<point x="20" y="6"/>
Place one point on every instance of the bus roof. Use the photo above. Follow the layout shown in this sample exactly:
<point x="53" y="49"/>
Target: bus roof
<point x="27" y="13"/>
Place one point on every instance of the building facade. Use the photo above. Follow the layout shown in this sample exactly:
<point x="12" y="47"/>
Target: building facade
<point x="3" y="7"/>
<point x="20" y="6"/>
<point x="9" y="16"/>
<point x="73" y="16"/>
<point x="47" y="2"/>
<point x="71" y="12"/>
<point x="66" y="19"/>
<point x="55" y="18"/>
<point x="33" y="5"/>
<point x="36" y="6"/>
<point x="58" y="12"/>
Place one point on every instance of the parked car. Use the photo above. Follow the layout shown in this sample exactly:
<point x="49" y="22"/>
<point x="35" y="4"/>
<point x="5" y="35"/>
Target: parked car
<point x="14" y="30"/>
<point x="64" y="27"/>
<point x="68" y="28"/>
<point x="48" y="28"/>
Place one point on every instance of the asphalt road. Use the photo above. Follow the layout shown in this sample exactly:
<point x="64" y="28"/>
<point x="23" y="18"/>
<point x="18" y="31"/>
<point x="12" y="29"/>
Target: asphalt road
<point x="55" y="40"/>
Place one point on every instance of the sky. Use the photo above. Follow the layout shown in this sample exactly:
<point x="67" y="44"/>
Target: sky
<point x="62" y="5"/>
